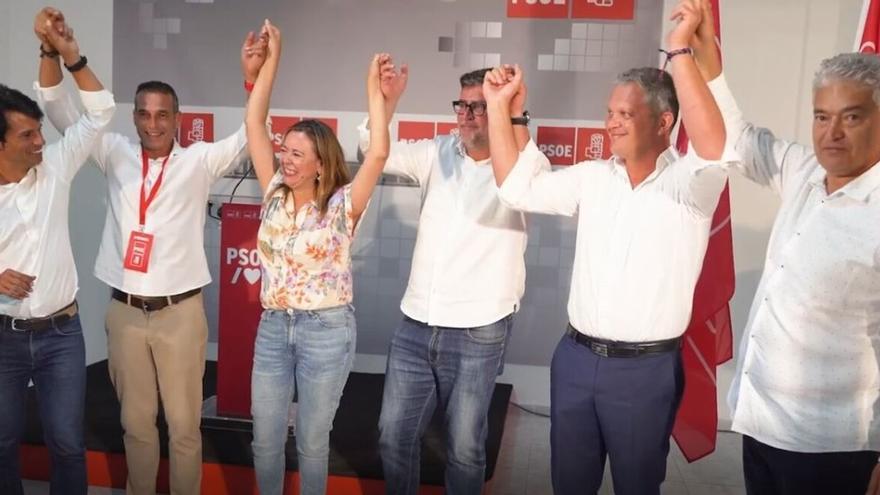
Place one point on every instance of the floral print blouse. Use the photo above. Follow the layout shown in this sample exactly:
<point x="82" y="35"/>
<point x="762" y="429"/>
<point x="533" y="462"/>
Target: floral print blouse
<point x="306" y="260"/>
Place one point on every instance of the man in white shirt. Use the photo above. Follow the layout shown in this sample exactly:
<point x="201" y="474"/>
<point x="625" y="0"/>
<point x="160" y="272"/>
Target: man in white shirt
<point x="643" y="226"/>
<point x="806" y="393"/>
<point x="40" y="334"/>
<point x="152" y="256"/>
<point x="466" y="282"/>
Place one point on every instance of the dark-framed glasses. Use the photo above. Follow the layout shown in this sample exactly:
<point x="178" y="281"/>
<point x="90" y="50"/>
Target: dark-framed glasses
<point x="462" y="107"/>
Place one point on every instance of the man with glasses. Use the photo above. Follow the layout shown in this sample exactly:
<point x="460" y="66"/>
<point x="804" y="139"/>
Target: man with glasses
<point x="466" y="281"/>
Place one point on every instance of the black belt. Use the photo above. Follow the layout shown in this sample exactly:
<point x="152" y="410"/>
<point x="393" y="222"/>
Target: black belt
<point x="57" y="318"/>
<point x="612" y="348"/>
<point x="148" y="304"/>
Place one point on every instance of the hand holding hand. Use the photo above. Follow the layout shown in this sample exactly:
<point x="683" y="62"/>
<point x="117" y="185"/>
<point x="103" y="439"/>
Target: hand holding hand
<point x="503" y="84"/>
<point x="392" y="81"/>
<point x="49" y="18"/>
<point x="689" y="15"/>
<point x="272" y="35"/>
<point x="253" y="55"/>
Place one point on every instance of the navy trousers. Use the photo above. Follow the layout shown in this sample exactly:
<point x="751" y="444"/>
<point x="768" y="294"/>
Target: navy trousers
<point x="622" y="409"/>
<point x="772" y="471"/>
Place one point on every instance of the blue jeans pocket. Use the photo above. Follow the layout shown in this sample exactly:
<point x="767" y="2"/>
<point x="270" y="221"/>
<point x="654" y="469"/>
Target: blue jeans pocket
<point x="491" y="334"/>
<point x="338" y="317"/>
<point x="70" y="327"/>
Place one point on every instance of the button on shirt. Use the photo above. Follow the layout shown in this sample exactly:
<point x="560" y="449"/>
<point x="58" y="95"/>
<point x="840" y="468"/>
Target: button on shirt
<point x="176" y="217"/>
<point x="34" y="235"/>
<point x="468" y="268"/>
<point x="808" y="372"/>
<point x="639" y="250"/>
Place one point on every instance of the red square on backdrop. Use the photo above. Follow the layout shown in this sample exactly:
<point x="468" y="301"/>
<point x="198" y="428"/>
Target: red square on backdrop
<point x="557" y="143"/>
<point x="540" y="9"/>
<point x="619" y="10"/>
<point x="444" y="128"/>
<point x="195" y="127"/>
<point x="592" y="144"/>
<point x="278" y="126"/>
<point x="413" y="131"/>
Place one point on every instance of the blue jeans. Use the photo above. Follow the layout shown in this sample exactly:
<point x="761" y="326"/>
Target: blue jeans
<point x="55" y="359"/>
<point x="454" y="368"/>
<point x="310" y="353"/>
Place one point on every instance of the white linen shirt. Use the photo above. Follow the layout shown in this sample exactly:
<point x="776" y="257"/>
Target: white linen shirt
<point x="468" y="266"/>
<point x="176" y="218"/>
<point x="808" y="369"/>
<point x="34" y="233"/>
<point x="639" y="250"/>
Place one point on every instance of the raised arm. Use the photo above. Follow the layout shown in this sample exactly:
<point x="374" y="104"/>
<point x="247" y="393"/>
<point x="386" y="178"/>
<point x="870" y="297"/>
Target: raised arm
<point x="381" y="68"/>
<point x="259" y="141"/>
<point x="501" y="87"/>
<point x="699" y="112"/>
<point x="67" y="156"/>
<point x="48" y="19"/>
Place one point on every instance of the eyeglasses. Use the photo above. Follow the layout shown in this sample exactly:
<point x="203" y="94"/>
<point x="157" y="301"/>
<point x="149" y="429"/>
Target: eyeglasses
<point x="462" y="107"/>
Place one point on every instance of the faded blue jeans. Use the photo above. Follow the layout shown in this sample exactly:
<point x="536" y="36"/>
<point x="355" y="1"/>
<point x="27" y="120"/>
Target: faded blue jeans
<point x="310" y="353"/>
<point x="55" y="359"/>
<point x="454" y="368"/>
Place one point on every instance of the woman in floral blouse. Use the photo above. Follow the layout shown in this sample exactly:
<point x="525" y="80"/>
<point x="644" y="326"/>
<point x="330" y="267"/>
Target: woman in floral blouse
<point x="306" y="338"/>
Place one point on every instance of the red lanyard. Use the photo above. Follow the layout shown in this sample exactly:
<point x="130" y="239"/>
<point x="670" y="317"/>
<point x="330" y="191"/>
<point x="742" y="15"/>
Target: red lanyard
<point x="147" y="200"/>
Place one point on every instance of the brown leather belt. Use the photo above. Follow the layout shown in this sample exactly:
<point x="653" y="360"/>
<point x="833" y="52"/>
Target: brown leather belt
<point x="56" y="319"/>
<point x="148" y="304"/>
<point x="613" y="348"/>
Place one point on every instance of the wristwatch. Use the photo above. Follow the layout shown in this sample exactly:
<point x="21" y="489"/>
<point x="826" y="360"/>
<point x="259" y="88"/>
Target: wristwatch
<point x="524" y="120"/>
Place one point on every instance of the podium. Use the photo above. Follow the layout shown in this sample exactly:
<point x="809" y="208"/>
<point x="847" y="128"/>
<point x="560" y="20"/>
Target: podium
<point x="239" y="312"/>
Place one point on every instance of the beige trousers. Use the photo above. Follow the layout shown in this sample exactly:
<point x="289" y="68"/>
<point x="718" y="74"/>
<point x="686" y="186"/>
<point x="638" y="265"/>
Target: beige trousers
<point x="161" y="353"/>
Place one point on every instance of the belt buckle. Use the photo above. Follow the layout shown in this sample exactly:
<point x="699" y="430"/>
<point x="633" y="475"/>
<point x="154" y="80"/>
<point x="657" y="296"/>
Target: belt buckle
<point x="599" y="348"/>
<point x="14" y="328"/>
<point x="145" y="306"/>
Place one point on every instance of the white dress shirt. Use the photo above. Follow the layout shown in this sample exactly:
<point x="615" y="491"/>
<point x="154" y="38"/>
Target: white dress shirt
<point x="468" y="268"/>
<point x="176" y="217"/>
<point x="808" y="369"/>
<point x="639" y="250"/>
<point x="34" y="235"/>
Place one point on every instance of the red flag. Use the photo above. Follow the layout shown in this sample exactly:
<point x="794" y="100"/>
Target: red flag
<point x="708" y="340"/>
<point x="868" y="35"/>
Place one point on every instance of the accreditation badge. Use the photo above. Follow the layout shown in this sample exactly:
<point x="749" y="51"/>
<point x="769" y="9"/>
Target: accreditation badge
<point x="137" y="255"/>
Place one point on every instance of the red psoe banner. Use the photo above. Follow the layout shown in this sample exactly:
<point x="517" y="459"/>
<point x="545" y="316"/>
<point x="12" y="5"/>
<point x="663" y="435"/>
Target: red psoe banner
<point x="240" y="281"/>
<point x="557" y="143"/>
<point x="411" y="132"/>
<point x="868" y="35"/>
<point x="195" y="127"/>
<point x="618" y="10"/>
<point x="708" y="341"/>
<point x="538" y="9"/>
<point x="592" y="144"/>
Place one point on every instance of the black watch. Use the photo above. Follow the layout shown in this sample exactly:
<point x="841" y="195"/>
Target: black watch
<point x="524" y="120"/>
<point x="78" y="65"/>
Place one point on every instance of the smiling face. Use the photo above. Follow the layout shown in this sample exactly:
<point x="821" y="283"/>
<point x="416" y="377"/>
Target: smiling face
<point x="156" y="122"/>
<point x="846" y="129"/>
<point x="300" y="165"/>
<point x="632" y="124"/>
<point x="23" y="142"/>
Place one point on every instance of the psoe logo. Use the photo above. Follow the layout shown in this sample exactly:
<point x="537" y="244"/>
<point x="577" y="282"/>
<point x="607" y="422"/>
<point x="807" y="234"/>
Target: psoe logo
<point x="248" y="262"/>
<point x="195" y="127"/>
